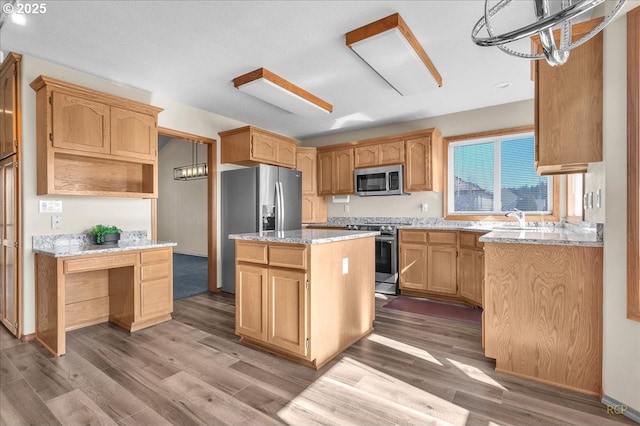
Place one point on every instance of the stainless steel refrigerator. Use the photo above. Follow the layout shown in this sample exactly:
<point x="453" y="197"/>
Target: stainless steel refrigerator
<point x="262" y="198"/>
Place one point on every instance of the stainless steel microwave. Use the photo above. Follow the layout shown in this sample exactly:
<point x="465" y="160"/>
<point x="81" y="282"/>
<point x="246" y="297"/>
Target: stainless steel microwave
<point x="386" y="180"/>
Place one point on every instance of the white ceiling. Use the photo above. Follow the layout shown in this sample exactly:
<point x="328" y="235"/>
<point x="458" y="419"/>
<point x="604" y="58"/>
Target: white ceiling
<point x="191" y="50"/>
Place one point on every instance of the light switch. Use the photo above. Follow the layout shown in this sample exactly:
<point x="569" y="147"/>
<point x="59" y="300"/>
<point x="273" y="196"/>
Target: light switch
<point x="50" y="206"/>
<point x="598" y="198"/>
<point x="345" y="265"/>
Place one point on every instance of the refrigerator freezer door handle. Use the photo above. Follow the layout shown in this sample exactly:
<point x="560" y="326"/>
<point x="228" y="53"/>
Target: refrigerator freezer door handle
<point x="282" y="205"/>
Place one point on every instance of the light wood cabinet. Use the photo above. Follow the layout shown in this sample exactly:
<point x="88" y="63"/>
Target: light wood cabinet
<point x="250" y="146"/>
<point x="133" y="134"/>
<point x="93" y="144"/>
<point x="335" y="171"/>
<point x="471" y="267"/>
<point x="9" y="105"/>
<point x="272" y="299"/>
<point x="428" y="261"/>
<point x="294" y="299"/>
<point x="423" y="165"/>
<point x="132" y="289"/>
<point x="543" y="313"/>
<point x="79" y="124"/>
<point x="390" y="152"/>
<point x="442" y="264"/>
<point x="251" y="301"/>
<point x="314" y="208"/>
<point x="9" y="253"/>
<point x="568" y="108"/>
<point x="413" y="267"/>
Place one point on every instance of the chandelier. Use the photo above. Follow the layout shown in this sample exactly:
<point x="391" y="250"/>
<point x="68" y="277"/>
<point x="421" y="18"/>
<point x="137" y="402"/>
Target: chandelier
<point x="194" y="170"/>
<point x="547" y="14"/>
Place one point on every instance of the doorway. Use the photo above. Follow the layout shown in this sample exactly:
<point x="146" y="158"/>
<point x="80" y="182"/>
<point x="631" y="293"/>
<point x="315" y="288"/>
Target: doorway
<point x="211" y="194"/>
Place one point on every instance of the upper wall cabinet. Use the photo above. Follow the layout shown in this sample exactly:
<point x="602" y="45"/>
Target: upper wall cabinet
<point x="94" y="144"/>
<point x="568" y="108"/>
<point x="9" y="104"/>
<point x="249" y="146"/>
<point x="335" y="171"/>
<point x="379" y="154"/>
<point x="423" y="165"/>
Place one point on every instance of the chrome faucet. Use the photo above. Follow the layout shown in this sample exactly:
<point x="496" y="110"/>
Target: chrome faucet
<point x="519" y="215"/>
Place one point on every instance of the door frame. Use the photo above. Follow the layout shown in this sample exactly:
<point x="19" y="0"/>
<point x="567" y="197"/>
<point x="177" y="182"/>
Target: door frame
<point x="212" y="202"/>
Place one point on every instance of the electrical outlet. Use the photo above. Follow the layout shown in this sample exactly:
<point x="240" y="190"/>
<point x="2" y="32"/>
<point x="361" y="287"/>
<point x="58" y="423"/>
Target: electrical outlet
<point x="346" y="208"/>
<point x="56" y="222"/>
<point x="598" y="198"/>
<point x="425" y="207"/>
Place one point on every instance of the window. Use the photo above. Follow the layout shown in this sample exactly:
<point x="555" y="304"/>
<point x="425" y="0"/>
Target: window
<point x="494" y="174"/>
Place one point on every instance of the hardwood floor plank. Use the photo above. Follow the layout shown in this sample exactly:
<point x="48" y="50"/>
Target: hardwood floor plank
<point x="22" y="406"/>
<point x="45" y="379"/>
<point x="146" y="417"/>
<point x="224" y="407"/>
<point x="262" y="400"/>
<point x="8" y="373"/>
<point x="75" y="408"/>
<point x="111" y="398"/>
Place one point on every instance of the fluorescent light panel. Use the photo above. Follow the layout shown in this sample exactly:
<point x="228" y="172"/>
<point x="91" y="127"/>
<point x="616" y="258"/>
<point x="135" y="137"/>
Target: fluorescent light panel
<point x="271" y="88"/>
<point x="389" y="47"/>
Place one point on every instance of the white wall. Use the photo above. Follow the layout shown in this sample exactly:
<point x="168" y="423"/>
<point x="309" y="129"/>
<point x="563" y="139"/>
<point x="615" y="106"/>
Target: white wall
<point x="182" y="205"/>
<point x="621" y="337"/>
<point x="80" y="213"/>
<point x="499" y="117"/>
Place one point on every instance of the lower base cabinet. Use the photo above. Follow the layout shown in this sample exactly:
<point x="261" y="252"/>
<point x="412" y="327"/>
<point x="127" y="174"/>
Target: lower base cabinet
<point x="272" y="306"/>
<point x="295" y="301"/>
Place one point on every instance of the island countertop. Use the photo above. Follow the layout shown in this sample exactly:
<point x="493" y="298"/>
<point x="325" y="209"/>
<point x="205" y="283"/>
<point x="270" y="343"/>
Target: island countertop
<point x="305" y="236"/>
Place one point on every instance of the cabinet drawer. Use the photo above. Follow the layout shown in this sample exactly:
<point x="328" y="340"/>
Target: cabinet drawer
<point x="154" y="271"/>
<point x="467" y="240"/>
<point x="155" y="256"/>
<point x="288" y="256"/>
<point x="100" y="262"/>
<point x="414" y="237"/>
<point x="449" y="238"/>
<point x="251" y="252"/>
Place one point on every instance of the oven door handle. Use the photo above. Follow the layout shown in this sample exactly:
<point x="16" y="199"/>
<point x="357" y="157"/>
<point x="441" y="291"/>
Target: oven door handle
<point x="390" y="238"/>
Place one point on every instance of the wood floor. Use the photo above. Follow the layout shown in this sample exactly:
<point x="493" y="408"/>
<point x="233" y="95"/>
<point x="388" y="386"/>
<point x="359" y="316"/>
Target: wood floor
<point x="413" y="369"/>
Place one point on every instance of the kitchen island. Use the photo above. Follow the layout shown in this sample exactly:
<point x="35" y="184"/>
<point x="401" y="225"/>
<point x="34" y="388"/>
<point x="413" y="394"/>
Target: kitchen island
<point x="306" y="294"/>
<point x="79" y="284"/>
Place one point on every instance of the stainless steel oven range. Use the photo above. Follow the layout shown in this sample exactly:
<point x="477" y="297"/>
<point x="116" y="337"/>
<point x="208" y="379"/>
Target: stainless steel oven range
<point x="386" y="256"/>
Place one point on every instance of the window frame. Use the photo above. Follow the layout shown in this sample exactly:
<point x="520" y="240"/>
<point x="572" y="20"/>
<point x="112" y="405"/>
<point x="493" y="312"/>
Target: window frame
<point x="553" y="216"/>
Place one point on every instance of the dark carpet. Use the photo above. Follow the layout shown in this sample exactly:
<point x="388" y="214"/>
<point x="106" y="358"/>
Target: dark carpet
<point x="189" y="275"/>
<point x="436" y="309"/>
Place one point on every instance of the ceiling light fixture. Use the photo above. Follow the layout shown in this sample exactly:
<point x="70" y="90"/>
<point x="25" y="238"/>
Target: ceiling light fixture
<point x="389" y="47"/>
<point x="548" y="14"/>
<point x="271" y="88"/>
<point x="194" y="170"/>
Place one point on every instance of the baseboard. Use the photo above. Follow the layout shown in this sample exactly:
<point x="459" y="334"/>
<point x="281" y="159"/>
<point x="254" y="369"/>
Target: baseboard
<point x="28" y="337"/>
<point x="618" y="407"/>
<point x="191" y="254"/>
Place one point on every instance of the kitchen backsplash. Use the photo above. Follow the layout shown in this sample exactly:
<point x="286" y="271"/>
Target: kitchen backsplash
<point x="391" y="205"/>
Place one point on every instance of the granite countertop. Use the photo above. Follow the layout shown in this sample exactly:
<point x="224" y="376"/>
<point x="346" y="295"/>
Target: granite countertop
<point x="553" y="236"/>
<point x="70" y="249"/>
<point x="305" y="236"/>
<point x="65" y="245"/>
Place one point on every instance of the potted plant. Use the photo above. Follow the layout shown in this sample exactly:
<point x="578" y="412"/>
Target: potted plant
<point x="105" y="234"/>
